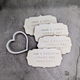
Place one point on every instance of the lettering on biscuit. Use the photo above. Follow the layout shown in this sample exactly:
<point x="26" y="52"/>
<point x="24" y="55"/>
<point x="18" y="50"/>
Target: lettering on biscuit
<point x="44" y="57"/>
<point x="61" y="43"/>
<point x="50" y="29"/>
<point x="31" y="22"/>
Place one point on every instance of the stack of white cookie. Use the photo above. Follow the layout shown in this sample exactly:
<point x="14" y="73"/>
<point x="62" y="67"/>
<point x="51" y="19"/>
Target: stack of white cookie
<point x="52" y="38"/>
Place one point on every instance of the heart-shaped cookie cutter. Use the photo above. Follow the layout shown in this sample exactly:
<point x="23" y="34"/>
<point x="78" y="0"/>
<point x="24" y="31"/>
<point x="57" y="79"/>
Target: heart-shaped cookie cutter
<point x="12" y="40"/>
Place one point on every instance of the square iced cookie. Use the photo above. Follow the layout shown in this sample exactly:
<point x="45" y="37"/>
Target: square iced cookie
<point x="31" y="22"/>
<point x="44" y="57"/>
<point x="59" y="29"/>
<point x="61" y="43"/>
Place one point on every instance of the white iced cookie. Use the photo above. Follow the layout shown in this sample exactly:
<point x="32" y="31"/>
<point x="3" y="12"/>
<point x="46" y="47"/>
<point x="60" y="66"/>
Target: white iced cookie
<point x="50" y="29"/>
<point x="31" y="22"/>
<point x="44" y="57"/>
<point x="61" y="43"/>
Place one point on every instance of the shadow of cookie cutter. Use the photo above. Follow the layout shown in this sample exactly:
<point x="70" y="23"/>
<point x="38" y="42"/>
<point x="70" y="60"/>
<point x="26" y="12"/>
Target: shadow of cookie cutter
<point x="12" y="40"/>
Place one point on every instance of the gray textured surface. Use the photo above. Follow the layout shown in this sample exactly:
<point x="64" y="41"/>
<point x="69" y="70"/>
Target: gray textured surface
<point x="12" y="16"/>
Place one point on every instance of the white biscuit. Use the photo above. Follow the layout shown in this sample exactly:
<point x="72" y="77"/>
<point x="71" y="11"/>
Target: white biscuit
<point x="61" y="43"/>
<point x="44" y="57"/>
<point x="50" y="29"/>
<point x="31" y="22"/>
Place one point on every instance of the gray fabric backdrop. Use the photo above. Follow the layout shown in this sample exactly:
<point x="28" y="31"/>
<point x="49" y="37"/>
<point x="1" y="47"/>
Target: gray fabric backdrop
<point x="12" y="16"/>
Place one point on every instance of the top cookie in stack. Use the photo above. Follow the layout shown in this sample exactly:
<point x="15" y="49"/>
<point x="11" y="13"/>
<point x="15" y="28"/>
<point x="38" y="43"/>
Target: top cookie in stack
<point x="31" y="22"/>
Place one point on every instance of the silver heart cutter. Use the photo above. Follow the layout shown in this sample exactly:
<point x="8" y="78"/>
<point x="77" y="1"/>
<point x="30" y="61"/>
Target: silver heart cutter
<point x="12" y="40"/>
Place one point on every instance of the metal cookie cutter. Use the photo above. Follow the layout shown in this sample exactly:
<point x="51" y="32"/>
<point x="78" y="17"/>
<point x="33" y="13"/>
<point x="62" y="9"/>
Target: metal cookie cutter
<point x="12" y="40"/>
